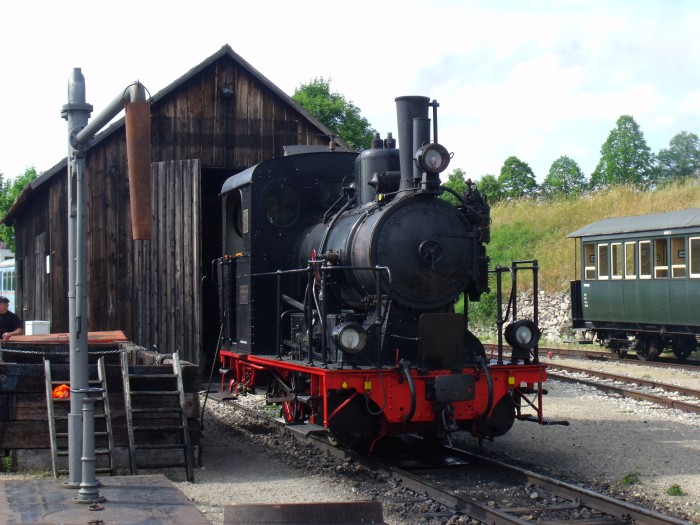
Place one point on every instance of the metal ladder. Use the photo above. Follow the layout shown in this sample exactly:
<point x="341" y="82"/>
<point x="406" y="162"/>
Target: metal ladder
<point x="58" y="409"/>
<point x="156" y="418"/>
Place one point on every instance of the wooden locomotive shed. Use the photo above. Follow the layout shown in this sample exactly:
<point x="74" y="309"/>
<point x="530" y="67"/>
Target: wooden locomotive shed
<point x="25" y="437"/>
<point x="221" y="117"/>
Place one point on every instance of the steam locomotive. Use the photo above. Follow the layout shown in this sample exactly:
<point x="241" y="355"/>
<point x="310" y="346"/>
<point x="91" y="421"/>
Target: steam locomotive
<point x="338" y="286"/>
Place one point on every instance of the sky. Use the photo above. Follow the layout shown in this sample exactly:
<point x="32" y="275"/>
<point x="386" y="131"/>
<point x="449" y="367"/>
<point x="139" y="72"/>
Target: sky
<point x="537" y="79"/>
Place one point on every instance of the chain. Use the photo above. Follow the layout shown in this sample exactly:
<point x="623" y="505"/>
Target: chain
<point x="50" y="352"/>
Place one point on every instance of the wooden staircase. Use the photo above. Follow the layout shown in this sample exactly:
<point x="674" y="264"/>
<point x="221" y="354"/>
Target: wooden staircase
<point x="156" y="418"/>
<point x="58" y="409"/>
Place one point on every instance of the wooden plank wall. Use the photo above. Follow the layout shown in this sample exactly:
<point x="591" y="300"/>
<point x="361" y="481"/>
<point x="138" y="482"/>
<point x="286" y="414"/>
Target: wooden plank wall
<point x="167" y="287"/>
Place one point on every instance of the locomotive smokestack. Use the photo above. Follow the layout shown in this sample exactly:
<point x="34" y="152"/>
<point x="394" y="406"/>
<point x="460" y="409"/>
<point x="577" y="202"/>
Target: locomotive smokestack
<point x="407" y="109"/>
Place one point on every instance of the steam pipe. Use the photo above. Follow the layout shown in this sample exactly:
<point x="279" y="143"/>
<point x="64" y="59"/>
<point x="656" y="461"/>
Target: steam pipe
<point x="408" y="108"/>
<point x="421" y="136"/>
<point x="133" y="93"/>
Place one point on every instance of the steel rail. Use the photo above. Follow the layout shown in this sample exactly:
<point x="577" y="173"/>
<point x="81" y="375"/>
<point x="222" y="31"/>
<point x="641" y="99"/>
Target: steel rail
<point x="690" y="392"/>
<point x="639" y="396"/>
<point x="587" y="498"/>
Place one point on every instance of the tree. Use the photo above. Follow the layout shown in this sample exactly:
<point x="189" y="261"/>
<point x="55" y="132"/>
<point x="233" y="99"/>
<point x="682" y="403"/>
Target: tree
<point x="338" y="114"/>
<point x="488" y="185"/>
<point x="10" y="189"/>
<point x="455" y="181"/>
<point x="516" y="179"/>
<point x="565" y="178"/>
<point x="681" y="159"/>
<point x="625" y="157"/>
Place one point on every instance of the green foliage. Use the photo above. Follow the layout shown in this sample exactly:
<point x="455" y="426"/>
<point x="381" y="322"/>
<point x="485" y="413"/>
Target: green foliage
<point x="630" y="479"/>
<point x="488" y="185"/>
<point x="482" y="314"/>
<point x="338" y="114"/>
<point x="625" y="157"/>
<point x="516" y="179"/>
<point x="565" y="179"/>
<point x="455" y="181"/>
<point x="681" y="158"/>
<point x="7" y="463"/>
<point x="675" y="490"/>
<point x="10" y="189"/>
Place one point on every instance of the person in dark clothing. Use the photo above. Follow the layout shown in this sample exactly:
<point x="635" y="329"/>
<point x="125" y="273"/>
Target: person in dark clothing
<point x="10" y="323"/>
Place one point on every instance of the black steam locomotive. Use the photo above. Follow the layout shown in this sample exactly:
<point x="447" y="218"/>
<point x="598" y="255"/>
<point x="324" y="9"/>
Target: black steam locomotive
<point x="337" y="293"/>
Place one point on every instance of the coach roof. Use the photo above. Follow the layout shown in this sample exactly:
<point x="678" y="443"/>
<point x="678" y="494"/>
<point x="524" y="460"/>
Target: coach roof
<point x="641" y="223"/>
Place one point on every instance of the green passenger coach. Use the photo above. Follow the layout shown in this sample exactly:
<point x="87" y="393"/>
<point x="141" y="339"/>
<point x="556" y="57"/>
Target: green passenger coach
<point x="637" y="283"/>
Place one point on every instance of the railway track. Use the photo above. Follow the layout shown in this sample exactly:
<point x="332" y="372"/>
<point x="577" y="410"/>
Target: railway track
<point x="440" y="476"/>
<point x="603" y="355"/>
<point x="691" y="404"/>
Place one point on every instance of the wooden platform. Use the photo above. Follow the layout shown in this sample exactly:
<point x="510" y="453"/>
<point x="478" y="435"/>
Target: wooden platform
<point x="130" y="500"/>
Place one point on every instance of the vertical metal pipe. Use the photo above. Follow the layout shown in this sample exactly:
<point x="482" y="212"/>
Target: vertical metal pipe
<point x="310" y="313"/>
<point x="535" y="305"/>
<point x="89" y="491"/>
<point x="408" y="108"/>
<point x="499" y="313"/>
<point x="378" y="314"/>
<point x="278" y="342"/>
<point x="322" y="314"/>
<point x="76" y="112"/>
<point x="421" y="137"/>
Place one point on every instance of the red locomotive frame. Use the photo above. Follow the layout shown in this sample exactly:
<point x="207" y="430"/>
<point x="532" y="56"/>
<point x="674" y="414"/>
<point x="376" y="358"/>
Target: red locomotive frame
<point x="388" y="389"/>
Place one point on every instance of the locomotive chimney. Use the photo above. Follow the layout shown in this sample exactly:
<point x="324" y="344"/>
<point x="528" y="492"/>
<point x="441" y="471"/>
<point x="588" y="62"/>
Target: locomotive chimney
<point x="407" y="109"/>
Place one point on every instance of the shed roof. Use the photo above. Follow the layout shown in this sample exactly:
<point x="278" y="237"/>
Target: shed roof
<point x="225" y="50"/>
<point x="641" y="223"/>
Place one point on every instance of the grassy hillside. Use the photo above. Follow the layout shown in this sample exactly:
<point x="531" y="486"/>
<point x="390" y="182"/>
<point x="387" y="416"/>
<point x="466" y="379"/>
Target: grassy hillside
<point x="526" y="229"/>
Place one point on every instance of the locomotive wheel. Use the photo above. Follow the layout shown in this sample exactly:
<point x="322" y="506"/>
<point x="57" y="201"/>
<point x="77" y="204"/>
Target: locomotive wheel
<point x="353" y="424"/>
<point x="683" y="346"/>
<point x="293" y="411"/>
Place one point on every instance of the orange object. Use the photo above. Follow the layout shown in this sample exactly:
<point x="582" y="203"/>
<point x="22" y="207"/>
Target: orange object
<point x="61" y="392"/>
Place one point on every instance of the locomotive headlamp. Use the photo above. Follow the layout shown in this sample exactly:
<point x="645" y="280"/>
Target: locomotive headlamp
<point x="433" y="158"/>
<point x="350" y="337"/>
<point x="522" y="334"/>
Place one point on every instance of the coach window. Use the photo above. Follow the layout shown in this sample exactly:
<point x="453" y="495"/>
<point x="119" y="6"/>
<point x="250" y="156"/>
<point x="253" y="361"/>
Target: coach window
<point x="630" y="257"/>
<point x="644" y="259"/>
<point x="661" y="258"/>
<point x="678" y="258"/>
<point x="616" y="260"/>
<point x="589" y="261"/>
<point x="694" y="247"/>
<point x="603" y="263"/>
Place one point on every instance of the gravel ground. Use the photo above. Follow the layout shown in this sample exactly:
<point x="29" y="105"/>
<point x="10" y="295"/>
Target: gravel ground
<point x="609" y="441"/>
